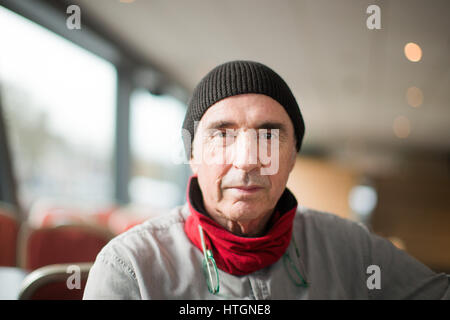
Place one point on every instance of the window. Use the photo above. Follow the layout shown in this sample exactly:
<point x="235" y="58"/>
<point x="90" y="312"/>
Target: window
<point x="157" y="178"/>
<point x="59" y="102"/>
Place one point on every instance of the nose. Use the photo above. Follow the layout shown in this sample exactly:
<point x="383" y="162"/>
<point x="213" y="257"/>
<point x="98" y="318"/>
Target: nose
<point x="246" y="151"/>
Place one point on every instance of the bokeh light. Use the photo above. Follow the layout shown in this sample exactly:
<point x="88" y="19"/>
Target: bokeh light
<point x="402" y="127"/>
<point x="414" y="97"/>
<point x="413" y="52"/>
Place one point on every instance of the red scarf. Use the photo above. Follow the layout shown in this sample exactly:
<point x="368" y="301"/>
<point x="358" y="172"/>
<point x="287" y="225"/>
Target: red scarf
<point x="239" y="255"/>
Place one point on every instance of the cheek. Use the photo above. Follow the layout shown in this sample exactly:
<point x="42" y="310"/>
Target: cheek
<point x="279" y="179"/>
<point x="287" y="160"/>
<point x="210" y="178"/>
<point x="211" y="172"/>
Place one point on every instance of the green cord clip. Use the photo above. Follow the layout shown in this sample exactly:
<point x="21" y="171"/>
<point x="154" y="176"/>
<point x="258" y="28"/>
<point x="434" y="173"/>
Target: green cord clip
<point x="287" y="260"/>
<point x="209" y="267"/>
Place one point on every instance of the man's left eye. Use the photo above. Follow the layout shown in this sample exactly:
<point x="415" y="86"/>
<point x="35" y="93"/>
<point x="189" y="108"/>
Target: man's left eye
<point x="266" y="135"/>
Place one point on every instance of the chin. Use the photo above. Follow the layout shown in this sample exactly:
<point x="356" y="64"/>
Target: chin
<point x="245" y="210"/>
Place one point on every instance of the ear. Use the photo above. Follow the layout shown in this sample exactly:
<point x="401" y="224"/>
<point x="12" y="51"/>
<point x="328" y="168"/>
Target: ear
<point x="194" y="166"/>
<point x="192" y="160"/>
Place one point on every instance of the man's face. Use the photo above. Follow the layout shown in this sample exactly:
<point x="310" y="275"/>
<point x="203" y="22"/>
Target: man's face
<point x="237" y="182"/>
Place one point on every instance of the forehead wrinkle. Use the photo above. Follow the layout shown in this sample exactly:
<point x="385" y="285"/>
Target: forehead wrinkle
<point x="237" y="112"/>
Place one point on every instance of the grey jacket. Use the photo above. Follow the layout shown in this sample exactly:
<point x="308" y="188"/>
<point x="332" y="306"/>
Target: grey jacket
<point x="340" y="259"/>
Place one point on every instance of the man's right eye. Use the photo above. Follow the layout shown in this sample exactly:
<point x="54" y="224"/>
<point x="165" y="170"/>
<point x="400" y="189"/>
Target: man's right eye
<point x="222" y="134"/>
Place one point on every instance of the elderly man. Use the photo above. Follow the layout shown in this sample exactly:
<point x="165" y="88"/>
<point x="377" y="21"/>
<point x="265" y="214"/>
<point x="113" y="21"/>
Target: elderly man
<point x="241" y="234"/>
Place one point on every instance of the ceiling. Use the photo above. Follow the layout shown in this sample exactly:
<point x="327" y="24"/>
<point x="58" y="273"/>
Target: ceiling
<point x="350" y="81"/>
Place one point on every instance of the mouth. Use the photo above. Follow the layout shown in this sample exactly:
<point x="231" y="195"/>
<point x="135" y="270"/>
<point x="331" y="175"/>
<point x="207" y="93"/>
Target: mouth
<point x="246" y="189"/>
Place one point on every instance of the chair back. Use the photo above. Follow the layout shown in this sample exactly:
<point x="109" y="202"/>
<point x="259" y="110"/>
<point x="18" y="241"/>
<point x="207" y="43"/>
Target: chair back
<point x="56" y="282"/>
<point x="62" y="244"/>
<point x="9" y="229"/>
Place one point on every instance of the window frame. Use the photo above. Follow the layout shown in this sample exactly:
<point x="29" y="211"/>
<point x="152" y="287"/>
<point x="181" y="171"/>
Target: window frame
<point x="130" y="69"/>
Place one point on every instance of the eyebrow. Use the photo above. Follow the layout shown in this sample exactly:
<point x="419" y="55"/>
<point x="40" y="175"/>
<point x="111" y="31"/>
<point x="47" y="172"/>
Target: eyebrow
<point x="273" y="125"/>
<point x="221" y="124"/>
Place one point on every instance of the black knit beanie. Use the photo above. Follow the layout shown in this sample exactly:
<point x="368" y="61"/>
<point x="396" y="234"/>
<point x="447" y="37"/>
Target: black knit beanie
<point x="239" y="77"/>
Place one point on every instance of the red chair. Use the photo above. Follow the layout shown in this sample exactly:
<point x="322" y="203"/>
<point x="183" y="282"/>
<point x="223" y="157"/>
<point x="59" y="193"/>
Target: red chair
<point x="102" y="216"/>
<point x="61" y="244"/>
<point x="52" y="212"/>
<point x="9" y="229"/>
<point x="56" y="282"/>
